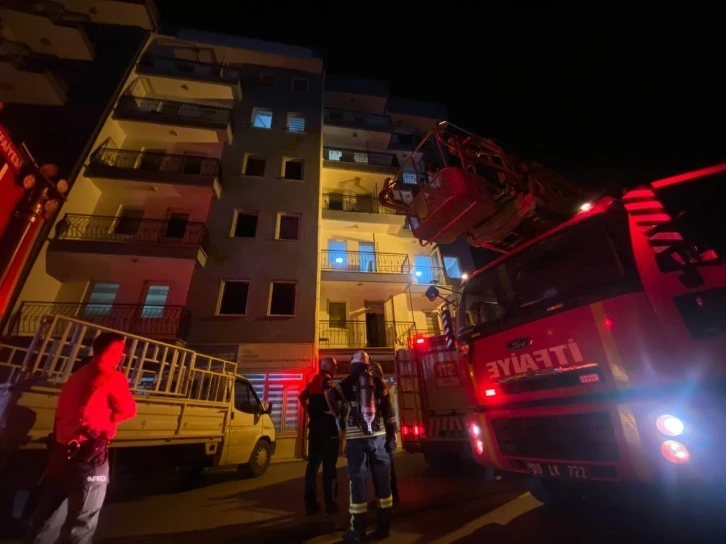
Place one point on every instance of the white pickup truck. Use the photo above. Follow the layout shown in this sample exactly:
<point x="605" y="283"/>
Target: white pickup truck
<point x="194" y="411"/>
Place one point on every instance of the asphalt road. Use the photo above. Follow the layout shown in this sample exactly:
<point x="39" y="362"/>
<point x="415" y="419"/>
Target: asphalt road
<point x="458" y="508"/>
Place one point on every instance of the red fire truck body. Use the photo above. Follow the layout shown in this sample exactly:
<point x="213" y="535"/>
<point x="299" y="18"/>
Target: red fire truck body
<point x="433" y="401"/>
<point x="597" y="351"/>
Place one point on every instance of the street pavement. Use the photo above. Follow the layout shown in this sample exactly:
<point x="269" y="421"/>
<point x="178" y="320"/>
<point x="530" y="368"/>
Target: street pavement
<point x="457" y="508"/>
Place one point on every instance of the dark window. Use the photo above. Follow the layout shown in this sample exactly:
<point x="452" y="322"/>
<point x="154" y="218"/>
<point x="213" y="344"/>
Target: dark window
<point x="585" y="263"/>
<point x="176" y="226"/>
<point x="282" y="301"/>
<point x="245" y="399"/>
<point x="255" y="165"/>
<point x="129" y="222"/>
<point x="300" y="85"/>
<point x="289" y="227"/>
<point x="268" y="80"/>
<point x="294" y="169"/>
<point x="337" y="314"/>
<point x="234" y="297"/>
<point x="245" y="225"/>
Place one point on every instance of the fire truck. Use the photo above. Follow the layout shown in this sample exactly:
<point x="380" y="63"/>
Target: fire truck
<point x="433" y="401"/>
<point x="595" y="345"/>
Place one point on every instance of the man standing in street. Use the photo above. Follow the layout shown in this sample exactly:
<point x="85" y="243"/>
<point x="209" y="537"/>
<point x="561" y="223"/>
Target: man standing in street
<point x="377" y="370"/>
<point x="370" y="426"/>
<point x="91" y="403"/>
<point x="323" y="438"/>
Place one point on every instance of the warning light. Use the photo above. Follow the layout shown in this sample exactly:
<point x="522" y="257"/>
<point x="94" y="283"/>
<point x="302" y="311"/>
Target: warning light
<point x="589" y="378"/>
<point x="490" y="392"/>
<point x="420" y="341"/>
<point x="608" y="323"/>
<point x="586" y="207"/>
<point x="465" y="277"/>
<point x="675" y="452"/>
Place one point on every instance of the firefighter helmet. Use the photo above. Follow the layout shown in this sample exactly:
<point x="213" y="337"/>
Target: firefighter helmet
<point x="360" y="357"/>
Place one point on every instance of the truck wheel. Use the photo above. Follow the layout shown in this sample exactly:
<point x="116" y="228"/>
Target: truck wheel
<point x="259" y="460"/>
<point x="553" y="492"/>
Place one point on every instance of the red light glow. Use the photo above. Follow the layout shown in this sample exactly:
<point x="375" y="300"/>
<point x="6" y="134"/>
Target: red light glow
<point x="490" y="392"/>
<point x="675" y="452"/>
<point x="608" y="323"/>
<point x="589" y="378"/>
<point x="420" y="340"/>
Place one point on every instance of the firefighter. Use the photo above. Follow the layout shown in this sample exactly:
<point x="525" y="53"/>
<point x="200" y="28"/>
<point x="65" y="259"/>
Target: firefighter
<point x="90" y="405"/>
<point x="323" y="439"/>
<point x="370" y="426"/>
<point x="377" y="370"/>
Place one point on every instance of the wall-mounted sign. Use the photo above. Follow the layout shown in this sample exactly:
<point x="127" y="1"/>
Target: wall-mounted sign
<point x="275" y="356"/>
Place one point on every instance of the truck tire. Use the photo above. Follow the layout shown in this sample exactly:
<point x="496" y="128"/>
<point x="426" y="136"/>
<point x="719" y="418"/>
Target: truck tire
<point x="259" y="460"/>
<point x="554" y="492"/>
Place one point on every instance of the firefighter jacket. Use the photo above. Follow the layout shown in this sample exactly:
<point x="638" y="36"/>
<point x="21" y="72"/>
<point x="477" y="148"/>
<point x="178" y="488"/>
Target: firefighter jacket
<point x="367" y="407"/>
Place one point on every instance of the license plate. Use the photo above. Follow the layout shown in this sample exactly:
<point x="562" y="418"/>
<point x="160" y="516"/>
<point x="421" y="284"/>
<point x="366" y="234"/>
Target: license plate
<point x="558" y="470"/>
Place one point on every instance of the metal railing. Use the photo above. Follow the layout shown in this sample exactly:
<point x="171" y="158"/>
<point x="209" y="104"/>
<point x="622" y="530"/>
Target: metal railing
<point x="354" y="203"/>
<point x="356" y="118"/>
<point x="181" y="112"/>
<point x="425" y="275"/>
<point x="153" y="161"/>
<point x="362" y="334"/>
<point x="217" y="73"/>
<point x="359" y="157"/>
<point x="153" y="368"/>
<point x="361" y="261"/>
<point x="99" y="228"/>
<point x="167" y="322"/>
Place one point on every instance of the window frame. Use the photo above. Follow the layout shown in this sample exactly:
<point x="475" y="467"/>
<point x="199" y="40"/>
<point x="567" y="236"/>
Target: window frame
<point x="285" y="160"/>
<point x="335" y="324"/>
<point x="220" y="296"/>
<point x="296" y="115"/>
<point x="256" y="111"/>
<point x="294" y="301"/>
<point x="235" y="217"/>
<point x="245" y="161"/>
<point x="278" y="223"/>
<point x="268" y="74"/>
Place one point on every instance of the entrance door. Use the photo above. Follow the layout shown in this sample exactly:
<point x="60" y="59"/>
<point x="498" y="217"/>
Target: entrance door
<point x="375" y="324"/>
<point x="366" y="251"/>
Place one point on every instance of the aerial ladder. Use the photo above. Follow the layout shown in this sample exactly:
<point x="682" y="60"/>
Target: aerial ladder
<point x="456" y="183"/>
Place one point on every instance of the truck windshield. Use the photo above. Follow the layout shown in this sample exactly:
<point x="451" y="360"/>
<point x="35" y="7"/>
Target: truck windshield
<point x="585" y="263"/>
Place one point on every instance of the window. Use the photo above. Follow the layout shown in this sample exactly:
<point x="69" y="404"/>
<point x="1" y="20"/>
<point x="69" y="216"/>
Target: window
<point x="295" y="122"/>
<point x="409" y="177"/>
<point x="261" y="118"/>
<point x="245" y="399"/>
<point x="254" y="165"/>
<point x="129" y="222"/>
<point x="233" y="297"/>
<point x="282" y="298"/>
<point x="245" y="225"/>
<point x="451" y="264"/>
<point x="293" y="169"/>
<point x="432" y="323"/>
<point x="101" y="299"/>
<point x="288" y="227"/>
<point x="299" y="85"/>
<point x="337" y="314"/>
<point x="269" y="81"/>
<point x="155" y="301"/>
<point x="423" y="270"/>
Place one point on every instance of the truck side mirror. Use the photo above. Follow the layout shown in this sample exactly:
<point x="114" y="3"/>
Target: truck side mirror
<point x="266" y="408"/>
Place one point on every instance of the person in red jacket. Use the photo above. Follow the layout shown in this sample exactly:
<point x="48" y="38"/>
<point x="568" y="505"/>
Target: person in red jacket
<point x="91" y="403"/>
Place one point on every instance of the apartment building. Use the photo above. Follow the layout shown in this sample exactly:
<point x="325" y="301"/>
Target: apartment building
<point x="374" y="273"/>
<point x="61" y="63"/>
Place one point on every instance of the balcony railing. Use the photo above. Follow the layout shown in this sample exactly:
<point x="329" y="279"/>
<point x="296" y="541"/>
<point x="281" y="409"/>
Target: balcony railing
<point x="360" y="158"/>
<point x="98" y="228"/>
<point x="168" y="111"/>
<point x="215" y="73"/>
<point x="361" y="261"/>
<point x="425" y="275"/>
<point x="354" y="203"/>
<point x="167" y="322"/>
<point x="404" y="141"/>
<point x="361" y="334"/>
<point x="357" y="119"/>
<point x="122" y="162"/>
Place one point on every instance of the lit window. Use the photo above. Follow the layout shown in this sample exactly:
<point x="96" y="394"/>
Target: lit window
<point x="233" y="297"/>
<point x="295" y="122"/>
<point x="293" y="169"/>
<point x="269" y="81"/>
<point x="282" y="298"/>
<point x="101" y="299"/>
<point x="451" y="264"/>
<point x="333" y="154"/>
<point x="409" y="177"/>
<point x="261" y="118"/>
<point x="288" y="227"/>
<point x="254" y="165"/>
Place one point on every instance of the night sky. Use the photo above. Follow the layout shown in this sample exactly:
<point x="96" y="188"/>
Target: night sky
<point x="603" y="98"/>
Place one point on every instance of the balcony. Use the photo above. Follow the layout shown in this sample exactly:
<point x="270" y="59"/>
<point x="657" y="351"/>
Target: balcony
<point x="360" y="266"/>
<point x="153" y="167"/>
<point x="202" y="80"/>
<point x="92" y="242"/>
<point x="28" y="77"/>
<point x="157" y="322"/>
<point x="141" y="13"/>
<point x="354" y="204"/>
<point x="428" y="275"/>
<point x="404" y="141"/>
<point x="362" y="334"/>
<point x="166" y="120"/>
<point x="340" y="211"/>
<point x="356" y="159"/>
<point x="344" y="128"/>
